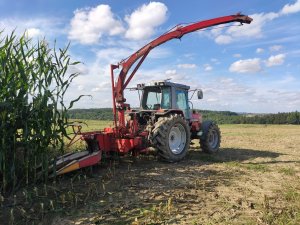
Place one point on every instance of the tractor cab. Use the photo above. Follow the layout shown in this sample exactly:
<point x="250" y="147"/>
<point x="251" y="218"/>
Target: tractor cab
<point x="165" y="95"/>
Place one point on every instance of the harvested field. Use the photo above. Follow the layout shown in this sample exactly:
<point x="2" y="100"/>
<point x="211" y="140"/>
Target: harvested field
<point x="254" y="179"/>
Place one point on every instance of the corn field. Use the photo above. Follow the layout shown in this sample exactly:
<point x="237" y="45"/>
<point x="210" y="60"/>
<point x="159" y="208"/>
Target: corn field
<point x="33" y="117"/>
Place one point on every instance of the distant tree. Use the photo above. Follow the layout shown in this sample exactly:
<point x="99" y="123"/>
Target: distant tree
<point x="293" y="118"/>
<point x="221" y="117"/>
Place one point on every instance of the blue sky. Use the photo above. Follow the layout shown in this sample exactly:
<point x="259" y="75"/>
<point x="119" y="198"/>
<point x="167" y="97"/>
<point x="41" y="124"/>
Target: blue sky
<point x="253" y="68"/>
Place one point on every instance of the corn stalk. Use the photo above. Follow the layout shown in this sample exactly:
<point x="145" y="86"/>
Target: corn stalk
<point x="33" y="117"/>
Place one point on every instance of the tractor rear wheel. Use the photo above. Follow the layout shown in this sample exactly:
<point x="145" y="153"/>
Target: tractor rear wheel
<point x="211" y="138"/>
<point x="171" y="138"/>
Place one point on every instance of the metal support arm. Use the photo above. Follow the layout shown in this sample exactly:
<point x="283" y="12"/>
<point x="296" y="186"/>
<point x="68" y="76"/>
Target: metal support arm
<point x="178" y="32"/>
<point x="118" y="88"/>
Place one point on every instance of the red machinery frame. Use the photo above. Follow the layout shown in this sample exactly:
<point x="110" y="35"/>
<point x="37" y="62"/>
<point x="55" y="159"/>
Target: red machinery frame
<point x="119" y="139"/>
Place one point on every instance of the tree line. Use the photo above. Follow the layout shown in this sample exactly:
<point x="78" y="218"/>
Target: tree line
<point x="225" y="117"/>
<point x="221" y="117"/>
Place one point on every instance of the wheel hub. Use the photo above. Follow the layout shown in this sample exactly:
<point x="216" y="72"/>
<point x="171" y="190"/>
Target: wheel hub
<point x="213" y="139"/>
<point x="177" y="139"/>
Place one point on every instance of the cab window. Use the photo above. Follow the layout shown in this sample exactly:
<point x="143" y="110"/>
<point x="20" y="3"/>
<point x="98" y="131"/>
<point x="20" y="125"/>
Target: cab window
<point x="181" y="101"/>
<point x="155" y="98"/>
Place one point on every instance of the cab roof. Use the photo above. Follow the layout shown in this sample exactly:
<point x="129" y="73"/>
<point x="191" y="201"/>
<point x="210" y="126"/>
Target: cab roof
<point x="163" y="83"/>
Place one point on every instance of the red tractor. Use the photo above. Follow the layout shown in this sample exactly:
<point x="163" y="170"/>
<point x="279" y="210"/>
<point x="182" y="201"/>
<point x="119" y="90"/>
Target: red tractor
<point x="164" y="120"/>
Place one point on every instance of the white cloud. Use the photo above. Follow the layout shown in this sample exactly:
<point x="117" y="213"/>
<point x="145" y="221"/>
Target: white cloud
<point x="186" y="66"/>
<point x="214" y="60"/>
<point x="33" y="28"/>
<point x="33" y="32"/>
<point x="212" y="100"/>
<point x="275" y="48"/>
<point x="248" y="30"/>
<point x="259" y="50"/>
<point x="237" y="55"/>
<point x="170" y="72"/>
<point x="234" y="94"/>
<point x="190" y="56"/>
<point x="288" y="79"/>
<point x="96" y="78"/>
<point x="228" y="81"/>
<point x="113" y="55"/>
<point x="96" y="89"/>
<point x="103" y="86"/>
<point x="143" y="21"/>
<point x="80" y="87"/>
<point x="159" y="53"/>
<point x="223" y="39"/>
<point x="291" y="8"/>
<point x="217" y="30"/>
<point x="246" y="66"/>
<point x="255" y="29"/>
<point x="80" y="68"/>
<point x="207" y="67"/>
<point x="89" y="24"/>
<point x="275" y="60"/>
<point x="221" y="93"/>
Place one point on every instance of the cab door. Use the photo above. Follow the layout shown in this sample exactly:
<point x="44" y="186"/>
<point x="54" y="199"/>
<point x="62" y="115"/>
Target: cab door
<point x="181" y="102"/>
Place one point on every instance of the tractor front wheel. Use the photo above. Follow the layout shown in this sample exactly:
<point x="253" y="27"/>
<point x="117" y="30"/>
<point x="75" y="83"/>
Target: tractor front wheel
<point x="171" y="138"/>
<point x="211" y="137"/>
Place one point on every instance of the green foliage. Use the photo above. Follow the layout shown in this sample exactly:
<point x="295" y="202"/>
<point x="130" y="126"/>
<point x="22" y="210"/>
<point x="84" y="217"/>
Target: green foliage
<point x="225" y="117"/>
<point x="91" y="114"/>
<point x="33" y="117"/>
<point x="290" y="171"/>
<point x="221" y="117"/>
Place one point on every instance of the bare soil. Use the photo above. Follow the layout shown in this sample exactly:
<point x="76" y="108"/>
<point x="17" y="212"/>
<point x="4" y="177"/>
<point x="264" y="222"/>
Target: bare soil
<point x="254" y="179"/>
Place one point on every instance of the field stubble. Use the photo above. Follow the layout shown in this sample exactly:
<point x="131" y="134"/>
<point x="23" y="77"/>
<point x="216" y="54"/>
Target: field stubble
<point x="254" y="179"/>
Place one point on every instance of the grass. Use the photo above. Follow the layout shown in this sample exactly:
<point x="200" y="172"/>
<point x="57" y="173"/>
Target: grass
<point x="87" y="125"/>
<point x="289" y="171"/>
<point x="156" y="214"/>
<point x="92" y="125"/>
<point x="257" y="167"/>
<point x="248" y="166"/>
<point x="205" y="189"/>
<point x="284" y="215"/>
<point x="291" y="194"/>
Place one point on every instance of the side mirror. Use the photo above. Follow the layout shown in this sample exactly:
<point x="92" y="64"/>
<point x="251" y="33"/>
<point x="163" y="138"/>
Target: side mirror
<point x="200" y="94"/>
